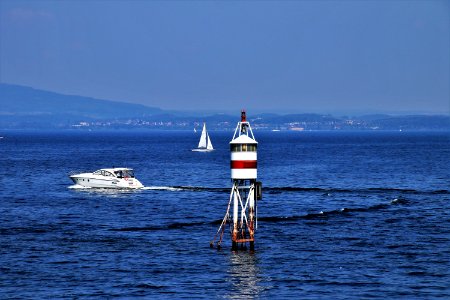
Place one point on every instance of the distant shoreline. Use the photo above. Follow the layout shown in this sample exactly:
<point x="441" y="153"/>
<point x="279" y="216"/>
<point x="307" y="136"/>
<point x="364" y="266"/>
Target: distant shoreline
<point x="27" y="108"/>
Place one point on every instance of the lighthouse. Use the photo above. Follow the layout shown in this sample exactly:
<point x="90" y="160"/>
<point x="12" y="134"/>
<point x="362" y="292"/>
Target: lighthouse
<point x="245" y="191"/>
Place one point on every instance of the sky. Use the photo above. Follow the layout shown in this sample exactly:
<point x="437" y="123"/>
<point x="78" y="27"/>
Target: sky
<point x="222" y="56"/>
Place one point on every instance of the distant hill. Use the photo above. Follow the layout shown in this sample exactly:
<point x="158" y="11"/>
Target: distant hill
<point x="21" y="101"/>
<point x="27" y="108"/>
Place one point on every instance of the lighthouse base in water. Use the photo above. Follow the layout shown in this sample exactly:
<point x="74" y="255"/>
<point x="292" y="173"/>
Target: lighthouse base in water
<point x="241" y="215"/>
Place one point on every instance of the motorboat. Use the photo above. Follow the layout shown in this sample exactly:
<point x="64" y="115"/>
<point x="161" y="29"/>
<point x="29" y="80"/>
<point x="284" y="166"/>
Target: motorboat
<point x="120" y="178"/>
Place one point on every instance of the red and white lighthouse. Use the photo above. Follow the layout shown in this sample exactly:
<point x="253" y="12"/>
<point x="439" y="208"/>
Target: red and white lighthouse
<point x="243" y="151"/>
<point x="245" y="190"/>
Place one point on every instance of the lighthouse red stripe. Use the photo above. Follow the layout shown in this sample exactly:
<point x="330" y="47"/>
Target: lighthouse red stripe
<point x="243" y="164"/>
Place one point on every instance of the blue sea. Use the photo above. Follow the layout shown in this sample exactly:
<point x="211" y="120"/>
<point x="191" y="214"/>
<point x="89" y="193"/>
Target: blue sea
<point x="344" y="215"/>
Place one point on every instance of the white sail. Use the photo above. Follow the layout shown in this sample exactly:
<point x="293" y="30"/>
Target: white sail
<point x="210" y="146"/>
<point x="203" y="142"/>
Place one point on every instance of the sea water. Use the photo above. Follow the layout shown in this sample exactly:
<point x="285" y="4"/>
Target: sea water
<point x="344" y="215"/>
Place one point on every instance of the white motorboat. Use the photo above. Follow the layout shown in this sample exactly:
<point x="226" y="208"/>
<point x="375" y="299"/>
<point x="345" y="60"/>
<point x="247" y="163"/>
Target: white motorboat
<point x="204" y="145"/>
<point x="120" y="178"/>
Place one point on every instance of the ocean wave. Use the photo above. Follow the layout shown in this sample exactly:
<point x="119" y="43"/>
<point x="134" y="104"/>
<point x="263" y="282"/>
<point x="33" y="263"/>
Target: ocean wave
<point x="175" y="225"/>
<point x="276" y="190"/>
<point x="323" y="214"/>
<point x="310" y="216"/>
<point x="290" y="189"/>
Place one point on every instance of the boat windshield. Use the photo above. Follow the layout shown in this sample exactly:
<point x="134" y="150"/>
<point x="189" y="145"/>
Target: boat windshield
<point x="124" y="173"/>
<point x="103" y="173"/>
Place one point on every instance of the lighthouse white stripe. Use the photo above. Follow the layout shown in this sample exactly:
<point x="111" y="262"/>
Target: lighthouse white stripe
<point x="243" y="173"/>
<point x="243" y="156"/>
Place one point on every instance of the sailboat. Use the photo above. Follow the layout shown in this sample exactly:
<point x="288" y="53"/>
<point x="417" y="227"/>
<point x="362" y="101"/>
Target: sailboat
<point x="204" y="145"/>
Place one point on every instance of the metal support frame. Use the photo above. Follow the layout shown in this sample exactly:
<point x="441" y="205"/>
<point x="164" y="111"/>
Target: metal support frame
<point x="243" y="222"/>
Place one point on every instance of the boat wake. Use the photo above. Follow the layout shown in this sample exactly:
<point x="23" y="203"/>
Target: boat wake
<point x="280" y="190"/>
<point x="336" y="212"/>
<point x="369" y="190"/>
<point x="319" y="216"/>
<point x="186" y="188"/>
<point x="162" y="188"/>
<point x="79" y="187"/>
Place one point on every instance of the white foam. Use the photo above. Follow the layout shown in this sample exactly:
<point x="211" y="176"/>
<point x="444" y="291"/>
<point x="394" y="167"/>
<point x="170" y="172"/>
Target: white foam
<point x="77" y="186"/>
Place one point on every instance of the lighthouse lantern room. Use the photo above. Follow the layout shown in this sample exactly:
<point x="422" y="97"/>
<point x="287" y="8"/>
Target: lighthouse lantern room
<point x="245" y="190"/>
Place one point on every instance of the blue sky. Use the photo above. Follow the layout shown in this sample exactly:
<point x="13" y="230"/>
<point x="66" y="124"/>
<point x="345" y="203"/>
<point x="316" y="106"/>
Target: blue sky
<point x="265" y="56"/>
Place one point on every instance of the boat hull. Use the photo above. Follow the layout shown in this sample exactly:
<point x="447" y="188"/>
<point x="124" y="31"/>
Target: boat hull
<point x="92" y="181"/>
<point x="202" y="150"/>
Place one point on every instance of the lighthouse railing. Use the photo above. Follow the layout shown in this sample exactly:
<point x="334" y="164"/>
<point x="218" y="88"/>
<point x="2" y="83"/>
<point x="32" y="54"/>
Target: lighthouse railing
<point x="238" y="131"/>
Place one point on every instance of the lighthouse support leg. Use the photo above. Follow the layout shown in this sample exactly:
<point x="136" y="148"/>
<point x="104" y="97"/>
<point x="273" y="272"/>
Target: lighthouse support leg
<point x="235" y="216"/>
<point x="221" y="229"/>
<point x="251" y="199"/>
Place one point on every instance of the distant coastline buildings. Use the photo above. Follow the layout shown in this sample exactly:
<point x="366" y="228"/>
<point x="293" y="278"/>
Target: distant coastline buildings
<point x="282" y="123"/>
